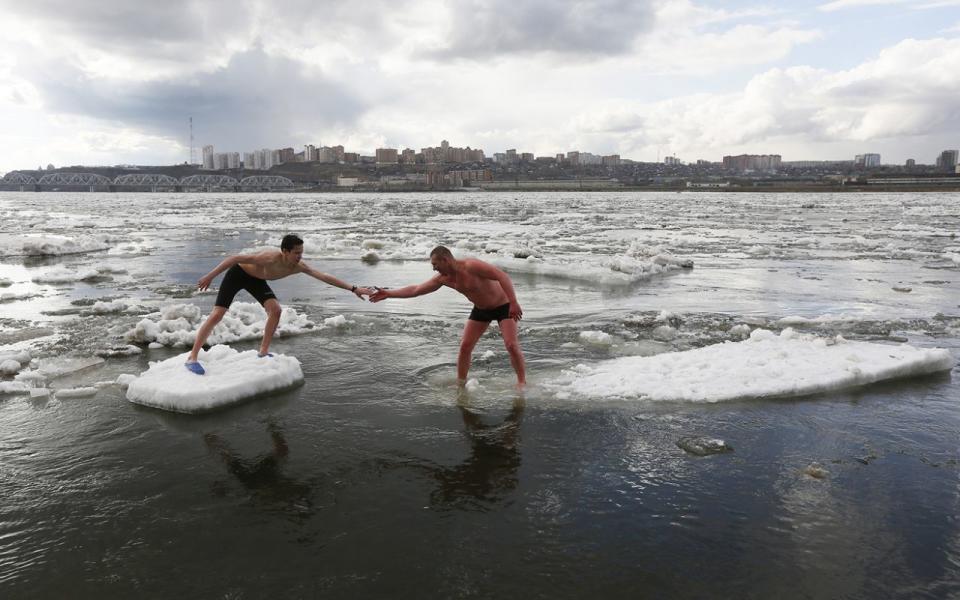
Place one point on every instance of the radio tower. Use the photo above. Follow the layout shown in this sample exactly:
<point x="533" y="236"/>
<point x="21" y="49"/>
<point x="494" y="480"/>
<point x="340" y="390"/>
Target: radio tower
<point x="193" y="155"/>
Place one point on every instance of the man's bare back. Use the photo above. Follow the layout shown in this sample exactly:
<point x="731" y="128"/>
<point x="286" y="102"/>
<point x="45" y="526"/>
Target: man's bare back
<point x="483" y="292"/>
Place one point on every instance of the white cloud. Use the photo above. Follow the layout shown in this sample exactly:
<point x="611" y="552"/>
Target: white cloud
<point x="908" y="90"/>
<point x="536" y="75"/>
<point x="914" y="4"/>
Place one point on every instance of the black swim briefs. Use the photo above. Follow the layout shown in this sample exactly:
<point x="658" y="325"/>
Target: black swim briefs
<point x="490" y="314"/>
<point x="237" y="279"/>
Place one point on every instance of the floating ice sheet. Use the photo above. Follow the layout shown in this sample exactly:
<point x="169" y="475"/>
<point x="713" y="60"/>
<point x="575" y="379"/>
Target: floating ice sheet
<point x="178" y="325"/>
<point x="764" y="366"/>
<point x="638" y="263"/>
<point x="51" y="245"/>
<point x="66" y="275"/>
<point x="231" y="377"/>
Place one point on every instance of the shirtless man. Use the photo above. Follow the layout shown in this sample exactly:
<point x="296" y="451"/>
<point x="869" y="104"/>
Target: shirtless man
<point x="491" y="292"/>
<point x="251" y="272"/>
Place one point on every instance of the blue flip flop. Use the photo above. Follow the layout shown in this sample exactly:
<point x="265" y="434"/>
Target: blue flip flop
<point x="194" y="367"/>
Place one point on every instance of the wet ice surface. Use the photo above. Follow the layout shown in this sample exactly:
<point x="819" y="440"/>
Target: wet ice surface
<point x="377" y="456"/>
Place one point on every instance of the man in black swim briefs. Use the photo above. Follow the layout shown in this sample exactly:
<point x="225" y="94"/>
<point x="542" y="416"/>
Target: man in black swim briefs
<point x="493" y="297"/>
<point x="251" y="272"/>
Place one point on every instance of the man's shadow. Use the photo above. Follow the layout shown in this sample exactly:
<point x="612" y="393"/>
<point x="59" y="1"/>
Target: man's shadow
<point x="489" y="474"/>
<point x="263" y="476"/>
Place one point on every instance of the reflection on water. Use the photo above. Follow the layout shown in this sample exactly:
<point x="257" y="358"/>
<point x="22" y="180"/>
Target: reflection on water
<point x="263" y="475"/>
<point x="489" y="473"/>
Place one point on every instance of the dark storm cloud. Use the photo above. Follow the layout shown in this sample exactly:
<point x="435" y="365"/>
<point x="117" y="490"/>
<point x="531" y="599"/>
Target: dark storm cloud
<point x="172" y="29"/>
<point x="255" y="101"/>
<point x="489" y="28"/>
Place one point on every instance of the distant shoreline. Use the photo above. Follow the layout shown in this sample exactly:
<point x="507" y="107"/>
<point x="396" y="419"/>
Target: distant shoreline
<point x="734" y="190"/>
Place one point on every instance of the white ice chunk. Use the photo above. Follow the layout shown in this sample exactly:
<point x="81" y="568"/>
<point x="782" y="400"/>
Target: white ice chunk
<point x="59" y="366"/>
<point x="54" y="245"/>
<point x="764" y="366"/>
<point x="80" y="392"/>
<point x="596" y="338"/>
<point x="639" y="262"/>
<point x="125" y="379"/>
<point x="105" y="308"/>
<point x="335" y="322"/>
<point x="12" y="296"/>
<point x="9" y="367"/>
<point x="178" y="325"/>
<point x="231" y="377"/>
<point x="21" y="356"/>
<point x="65" y="275"/>
<point x="13" y="387"/>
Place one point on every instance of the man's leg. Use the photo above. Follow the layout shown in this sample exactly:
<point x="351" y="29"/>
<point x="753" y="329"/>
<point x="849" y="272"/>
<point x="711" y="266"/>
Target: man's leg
<point x="508" y="329"/>
<point x="204" y="332"/>
<point x="273" y="319"/>
<point x="471" y="333"/>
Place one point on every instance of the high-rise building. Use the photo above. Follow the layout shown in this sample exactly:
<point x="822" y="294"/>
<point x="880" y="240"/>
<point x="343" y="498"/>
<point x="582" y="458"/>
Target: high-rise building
<point x="613" y="160"/>
<point x="947" y="161"/>
<point x="867" y="160"/>
<point x="387" y="156"/>
<point x="285" y="155"/>
<point x="910" y="163"/>
<point x="589" y="158"/>
<point x="309" y="153"/>
<point x="408" y="156"/>
<point x="208" y="158"/>
<point x="752" y="162"/>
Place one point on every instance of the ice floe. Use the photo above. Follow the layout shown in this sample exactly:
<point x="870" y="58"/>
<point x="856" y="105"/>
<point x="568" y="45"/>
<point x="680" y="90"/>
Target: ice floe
<point x="51" y="245"/>
<point x="14" y="387"/>
<point x="703" y="446"/>
<point x="45" y="369"/>
<point x="231" y="377"/>
<point x="764" y="366"/>
<point x="13" y="296"/>
<point x="80" y="392"/>
<point x="176" y="325"/>
<point x="596" y="338"/>
<point x="638" y="263"/>
<point x="66" y="275"/>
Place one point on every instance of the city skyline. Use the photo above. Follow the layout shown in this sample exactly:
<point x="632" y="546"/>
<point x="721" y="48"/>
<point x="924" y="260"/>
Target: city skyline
<point x="110" y="83"/>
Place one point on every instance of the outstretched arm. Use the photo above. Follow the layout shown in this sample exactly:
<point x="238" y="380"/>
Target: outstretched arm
<point x="488" y="271"/>
<point x="409" y="291"/>
<point x="236" y="259"/>
<point x="359" y="292"/>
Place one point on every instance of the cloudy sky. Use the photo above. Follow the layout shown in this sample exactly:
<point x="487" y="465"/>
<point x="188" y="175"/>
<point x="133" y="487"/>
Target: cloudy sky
<point x="114" y="81"/>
